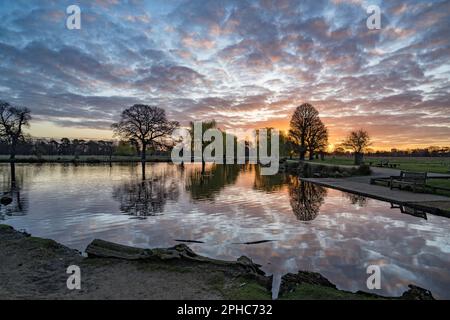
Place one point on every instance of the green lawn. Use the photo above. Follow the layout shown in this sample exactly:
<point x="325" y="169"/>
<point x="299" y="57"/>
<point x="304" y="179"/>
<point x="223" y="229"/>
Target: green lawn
<point x="440" y="183"/>
<point x="417" y="164"/>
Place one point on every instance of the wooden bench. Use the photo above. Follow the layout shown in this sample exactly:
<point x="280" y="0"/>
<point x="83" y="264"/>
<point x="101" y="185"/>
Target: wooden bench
<point x="411" y="179"/>
<point x="383" y="163"/>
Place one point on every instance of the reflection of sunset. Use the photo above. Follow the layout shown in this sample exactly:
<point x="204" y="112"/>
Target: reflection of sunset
<point x="313" y="228"/>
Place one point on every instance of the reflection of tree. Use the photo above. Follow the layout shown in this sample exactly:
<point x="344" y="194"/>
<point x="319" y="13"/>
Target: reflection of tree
<point x="357" y="199"/>
<point x="12" y="203"/>
<point x="207" y="185"/>
<point x="305" y="198"/>
<point x="268" y="183"/>
<point x="147" y="197"/>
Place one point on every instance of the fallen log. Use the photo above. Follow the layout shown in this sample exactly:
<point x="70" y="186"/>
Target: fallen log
<point x="105" y="249"/>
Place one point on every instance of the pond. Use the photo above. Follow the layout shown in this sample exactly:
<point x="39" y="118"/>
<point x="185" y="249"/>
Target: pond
<point x="280" y="222"/>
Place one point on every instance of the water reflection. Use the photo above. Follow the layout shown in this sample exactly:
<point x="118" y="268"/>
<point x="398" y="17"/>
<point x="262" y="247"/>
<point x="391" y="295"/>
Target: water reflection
<point x="227" y="207"/>
<point x="410" y="210"/>
<point x="146" y="197"/>
<point x="205" y="183"/>
<point x="305" y="198"/>
<point x="12" y="202"/>
<point x="269" y="183"/>
<point x="357" y="199"/>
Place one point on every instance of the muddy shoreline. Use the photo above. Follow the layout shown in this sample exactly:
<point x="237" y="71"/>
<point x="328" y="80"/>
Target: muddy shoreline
<point x="35" y="268"/>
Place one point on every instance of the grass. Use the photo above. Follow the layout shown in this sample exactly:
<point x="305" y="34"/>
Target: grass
<point x="315" y="292"/>
<point x="415" y="164"/>
<point x="440" y="183"/>
<point x="248" y="289"/>
<point x="238" y="289"/>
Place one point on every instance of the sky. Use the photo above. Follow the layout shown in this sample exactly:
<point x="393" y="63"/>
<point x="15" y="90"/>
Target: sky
<point x="246" y="64"/>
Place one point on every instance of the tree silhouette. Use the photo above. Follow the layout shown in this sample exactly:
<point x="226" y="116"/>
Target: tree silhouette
<point x="358" y="141"/>
<point x="147" y="125"/>
<point x="306" y="129"/>
<point x="317" y="138"/>
<point x="12" y="121"/>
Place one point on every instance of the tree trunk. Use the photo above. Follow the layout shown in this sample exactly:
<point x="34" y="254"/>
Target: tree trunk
<point x="359" y="157"/>
<point x="12" y="161"/>
<point x="143" y="156"/>
<point x="143" y="152"/>
<point x="143" y="170"/>
<point x="311" y="154"/>
<point x="302" y="151"/>
<point x="13" y="174"/>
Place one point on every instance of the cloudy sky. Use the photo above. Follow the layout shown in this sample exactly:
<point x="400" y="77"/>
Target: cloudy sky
<point x="244" y="63"/>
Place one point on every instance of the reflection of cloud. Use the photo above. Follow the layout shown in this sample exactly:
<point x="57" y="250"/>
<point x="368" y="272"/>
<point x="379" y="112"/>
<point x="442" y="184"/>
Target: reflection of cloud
<point x="73" y="205"/>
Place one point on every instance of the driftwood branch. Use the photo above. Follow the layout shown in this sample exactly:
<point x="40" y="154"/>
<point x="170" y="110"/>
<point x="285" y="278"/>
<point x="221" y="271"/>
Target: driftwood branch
<point x="105" y="249"/>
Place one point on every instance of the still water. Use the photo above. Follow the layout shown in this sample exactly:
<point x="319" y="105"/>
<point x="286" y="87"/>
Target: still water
<point x="309" y="227"/>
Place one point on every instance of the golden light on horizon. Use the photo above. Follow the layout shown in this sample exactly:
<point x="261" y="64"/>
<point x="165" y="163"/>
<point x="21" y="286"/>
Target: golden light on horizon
<point x="50" y="130"/>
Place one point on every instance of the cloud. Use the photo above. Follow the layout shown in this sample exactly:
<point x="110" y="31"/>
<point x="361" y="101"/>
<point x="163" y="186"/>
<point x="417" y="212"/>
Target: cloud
<point x="244" y="63"/>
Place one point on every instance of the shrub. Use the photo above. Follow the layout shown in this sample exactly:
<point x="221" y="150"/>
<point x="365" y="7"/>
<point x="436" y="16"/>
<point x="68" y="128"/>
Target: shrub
<point x="364" y="170"/>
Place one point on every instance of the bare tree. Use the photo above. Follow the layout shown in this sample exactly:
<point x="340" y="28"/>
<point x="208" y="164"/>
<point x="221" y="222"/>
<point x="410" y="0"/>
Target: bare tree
<point x="12" y="121"/>
<point x="317" y="139"/>
<point x="357" y="141"/>
<point x="306" y="128"/>
<point x="148" y="125"/>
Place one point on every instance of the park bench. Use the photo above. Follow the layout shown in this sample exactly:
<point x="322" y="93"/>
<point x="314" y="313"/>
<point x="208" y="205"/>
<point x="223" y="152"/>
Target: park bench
<point x="384" y="163"/>
<point x="413" y="180"/>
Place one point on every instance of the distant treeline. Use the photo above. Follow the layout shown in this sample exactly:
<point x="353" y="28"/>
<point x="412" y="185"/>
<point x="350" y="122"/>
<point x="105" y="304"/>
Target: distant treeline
<point x="75" y="147"/>
<point x="78" y="147"/>
<point x="431" y="151"/>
